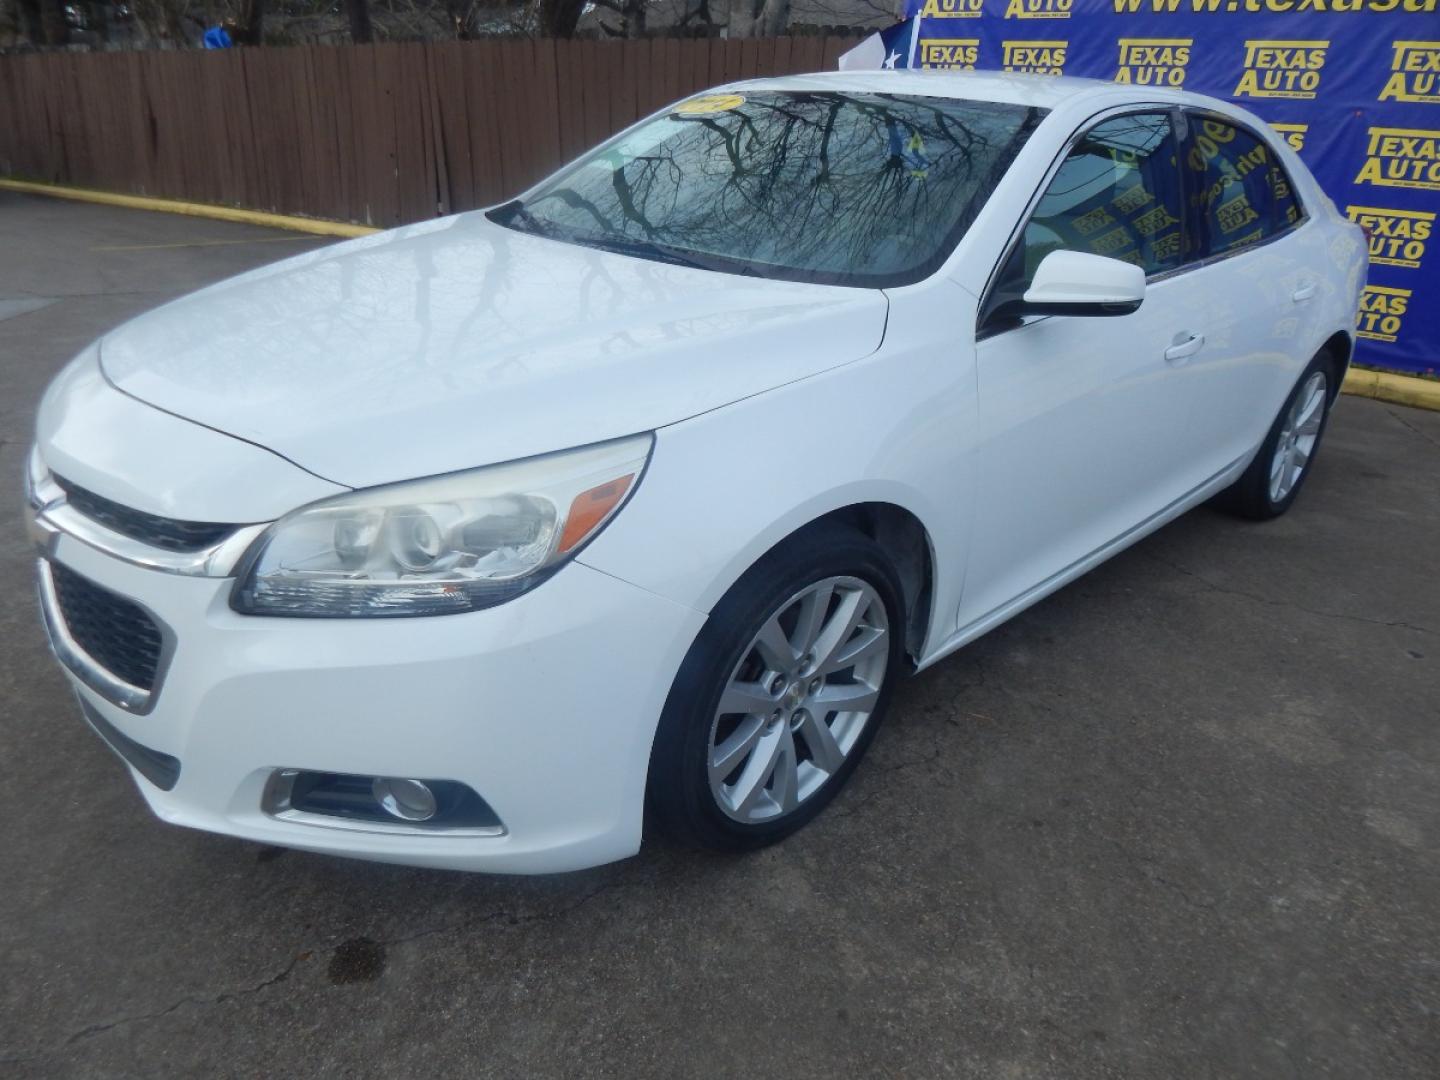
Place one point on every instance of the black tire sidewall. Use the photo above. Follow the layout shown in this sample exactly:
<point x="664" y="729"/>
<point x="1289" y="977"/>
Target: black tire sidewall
<point x="679" y="797"/>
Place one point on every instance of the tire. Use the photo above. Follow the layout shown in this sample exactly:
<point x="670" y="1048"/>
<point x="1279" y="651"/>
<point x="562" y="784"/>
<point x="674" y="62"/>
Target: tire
<point x="738" y="660"/>
<point x="1268" y="487"/>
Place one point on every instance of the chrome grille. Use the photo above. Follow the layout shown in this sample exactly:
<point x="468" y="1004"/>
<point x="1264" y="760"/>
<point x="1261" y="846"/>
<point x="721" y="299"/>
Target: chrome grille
<point x="168" y="534"/>
<point x="114" y="632"/>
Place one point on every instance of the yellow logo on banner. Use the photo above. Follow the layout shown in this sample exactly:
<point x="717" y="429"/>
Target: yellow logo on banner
<point x="953" y="9"/>
<point x="1038" y="57"/>
<point x="1402" y="157"/>
<point x="1294" y="134"/>
<point x="1282" y="69"/>
<point x="1038" y="9"/>
<point x="1415" y="72"/>
<point x="1381" y="312"/>
<point x="1397" y="237"/>
<point x="1153" y="61"/>
<point x="957" y="53"/>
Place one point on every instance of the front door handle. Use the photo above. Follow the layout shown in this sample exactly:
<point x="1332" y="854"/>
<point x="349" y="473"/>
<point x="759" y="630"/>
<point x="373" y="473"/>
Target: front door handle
<point x="1305" y="292"/>
<point x="1186" y="345"/>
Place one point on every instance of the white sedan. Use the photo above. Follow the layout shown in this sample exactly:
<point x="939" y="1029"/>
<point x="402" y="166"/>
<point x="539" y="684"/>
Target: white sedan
<point x="481" y="542"/>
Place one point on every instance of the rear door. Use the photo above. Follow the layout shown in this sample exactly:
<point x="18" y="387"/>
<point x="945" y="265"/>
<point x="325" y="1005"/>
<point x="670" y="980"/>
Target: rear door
<point x="1258" y="275"/>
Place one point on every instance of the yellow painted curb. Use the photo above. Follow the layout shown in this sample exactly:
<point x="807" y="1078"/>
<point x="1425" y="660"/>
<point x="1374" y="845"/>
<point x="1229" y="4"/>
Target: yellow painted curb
<point x="1399" y="389"/>
<point x="204" y="210"/>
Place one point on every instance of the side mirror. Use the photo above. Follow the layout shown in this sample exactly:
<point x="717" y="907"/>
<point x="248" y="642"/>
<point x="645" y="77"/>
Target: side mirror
<point x="1078" y="283"/>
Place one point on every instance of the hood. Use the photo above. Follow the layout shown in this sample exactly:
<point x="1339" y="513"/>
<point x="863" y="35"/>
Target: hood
<point x="460" y="343"/>
<point x="92" y="435"/>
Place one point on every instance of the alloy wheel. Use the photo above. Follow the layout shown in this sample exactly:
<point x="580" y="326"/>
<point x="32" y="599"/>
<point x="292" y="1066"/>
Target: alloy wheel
<point x="1298" y="436"/>
<point x="797" y="702"/>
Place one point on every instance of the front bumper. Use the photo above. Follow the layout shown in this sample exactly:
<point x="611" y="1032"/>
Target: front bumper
<point x="546" y="706"/>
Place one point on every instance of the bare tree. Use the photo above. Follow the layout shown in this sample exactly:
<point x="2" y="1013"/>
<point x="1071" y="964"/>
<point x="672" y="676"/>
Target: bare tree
<point x="458" y="15"/>
<point x="160" y="20"/>
<point x="169" y="23"/>
<point x="29" y="20"/>
<point x="699" y="15"/>
<point x="558" y="18"/>
<point x="758" y="18"/>
<point x="52" y="21"/>
<point x="358" y="12"/>
<point x="857" y="13"/>
<point x="632" y="18"/>
<point x="250" y="23"/>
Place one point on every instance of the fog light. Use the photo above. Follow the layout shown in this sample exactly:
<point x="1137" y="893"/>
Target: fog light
<point x="409" y="800"/>
<point x="351" y="800"/>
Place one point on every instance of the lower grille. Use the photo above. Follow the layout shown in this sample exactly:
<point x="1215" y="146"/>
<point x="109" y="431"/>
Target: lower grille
<point x="114" y="632"/>
<point x="162" y="770"/>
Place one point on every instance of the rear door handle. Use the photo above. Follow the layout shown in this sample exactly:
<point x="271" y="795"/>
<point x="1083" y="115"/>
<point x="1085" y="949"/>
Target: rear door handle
<point x="1186" y="345"/>
<point x="1305" y="292"/>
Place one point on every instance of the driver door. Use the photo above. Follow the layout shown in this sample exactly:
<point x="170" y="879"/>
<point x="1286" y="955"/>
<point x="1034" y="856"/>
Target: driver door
<point x="1082" y="418"/>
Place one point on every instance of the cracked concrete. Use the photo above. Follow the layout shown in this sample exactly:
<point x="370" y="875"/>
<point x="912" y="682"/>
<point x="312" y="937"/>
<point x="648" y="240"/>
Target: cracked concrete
<point x="1399" y="417"/>
<point x="1283" y="603"/>
<point x="223" y="996"/>
<point x="1181" y="819"/>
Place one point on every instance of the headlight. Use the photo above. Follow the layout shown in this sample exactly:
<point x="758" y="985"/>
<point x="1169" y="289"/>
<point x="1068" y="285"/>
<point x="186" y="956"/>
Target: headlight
<point x="446" y="544"/>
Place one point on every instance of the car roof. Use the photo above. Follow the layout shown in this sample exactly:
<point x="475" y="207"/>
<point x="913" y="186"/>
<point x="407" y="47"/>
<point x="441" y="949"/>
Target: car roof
<point x="1013" y="88"/>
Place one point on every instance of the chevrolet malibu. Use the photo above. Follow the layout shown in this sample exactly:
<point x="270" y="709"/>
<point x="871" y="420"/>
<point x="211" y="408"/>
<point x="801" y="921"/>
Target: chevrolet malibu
<point x="481" y="542"/>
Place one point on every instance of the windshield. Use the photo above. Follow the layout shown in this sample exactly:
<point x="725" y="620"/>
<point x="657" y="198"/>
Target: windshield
<point x="835" y="187"/>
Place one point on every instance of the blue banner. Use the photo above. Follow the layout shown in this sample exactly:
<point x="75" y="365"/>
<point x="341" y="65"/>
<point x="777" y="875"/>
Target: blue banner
<point x="1353" y="85"/>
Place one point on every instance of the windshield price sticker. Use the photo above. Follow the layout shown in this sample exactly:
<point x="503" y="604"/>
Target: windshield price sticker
<point x="709" y="104"/>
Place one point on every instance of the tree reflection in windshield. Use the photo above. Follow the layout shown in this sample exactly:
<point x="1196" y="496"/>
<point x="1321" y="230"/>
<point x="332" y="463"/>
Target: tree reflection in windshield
<point x="849" y="188"/>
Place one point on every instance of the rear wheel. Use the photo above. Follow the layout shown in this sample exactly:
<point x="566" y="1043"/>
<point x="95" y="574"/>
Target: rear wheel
<point x="1269" y="486"/>
<point x="780" y="695"/>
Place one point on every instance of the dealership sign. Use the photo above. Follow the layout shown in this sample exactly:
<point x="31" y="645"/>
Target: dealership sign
<point x="1352" y="85"/>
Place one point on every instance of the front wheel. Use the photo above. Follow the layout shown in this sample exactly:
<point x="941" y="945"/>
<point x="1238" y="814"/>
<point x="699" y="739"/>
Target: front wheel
<point x="780" y="694"/>
<point x="1269" y="486"/>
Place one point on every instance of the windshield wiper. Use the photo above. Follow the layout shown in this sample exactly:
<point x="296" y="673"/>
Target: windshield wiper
<point x="648" y="249"/>
<point x="643" y="249"/>
<point x="514" y="215"/>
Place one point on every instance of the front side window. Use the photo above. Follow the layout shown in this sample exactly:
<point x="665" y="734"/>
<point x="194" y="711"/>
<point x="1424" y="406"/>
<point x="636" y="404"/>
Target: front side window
<point x="1117" y="193"/>
<point x="836" y="187"/>
<point x="1239" y="193"/>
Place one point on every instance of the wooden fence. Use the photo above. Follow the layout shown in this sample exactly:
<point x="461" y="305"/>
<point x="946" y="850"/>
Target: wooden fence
<point x="378" y="134"/>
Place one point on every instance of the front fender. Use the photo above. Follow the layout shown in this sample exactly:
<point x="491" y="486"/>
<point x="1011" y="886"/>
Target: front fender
<point x="724" y="488"/>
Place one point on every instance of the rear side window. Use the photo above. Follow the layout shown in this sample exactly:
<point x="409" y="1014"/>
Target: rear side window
<point x="1287" y="203"/>
<point x="1239" y="193"/>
